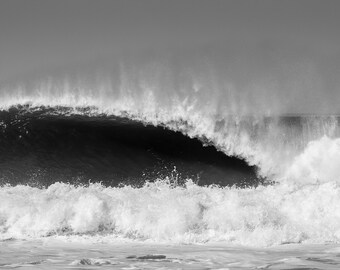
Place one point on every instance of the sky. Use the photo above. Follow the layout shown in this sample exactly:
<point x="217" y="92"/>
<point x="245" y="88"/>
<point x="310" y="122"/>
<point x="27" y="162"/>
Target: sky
<point x="250" y="41"/>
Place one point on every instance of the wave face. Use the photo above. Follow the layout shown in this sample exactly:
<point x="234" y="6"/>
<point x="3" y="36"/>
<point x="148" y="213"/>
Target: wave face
<point x="42" y="146"/>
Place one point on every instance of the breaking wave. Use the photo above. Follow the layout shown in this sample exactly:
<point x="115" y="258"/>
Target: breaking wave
<point x="282" y="148"/>
<point x="291" y="192"/>
<point x="44" y="145"/>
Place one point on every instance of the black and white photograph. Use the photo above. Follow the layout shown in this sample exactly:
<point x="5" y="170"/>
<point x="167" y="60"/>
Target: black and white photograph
<point x="170" y="134"/>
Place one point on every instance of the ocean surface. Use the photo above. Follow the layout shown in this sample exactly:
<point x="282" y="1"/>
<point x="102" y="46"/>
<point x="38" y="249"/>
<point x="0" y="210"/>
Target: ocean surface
<point x="179" y="134"/>
<point x="85" y="185"/>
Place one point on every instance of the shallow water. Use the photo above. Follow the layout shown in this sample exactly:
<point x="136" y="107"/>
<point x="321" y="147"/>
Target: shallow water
<point x="60" y="254"/>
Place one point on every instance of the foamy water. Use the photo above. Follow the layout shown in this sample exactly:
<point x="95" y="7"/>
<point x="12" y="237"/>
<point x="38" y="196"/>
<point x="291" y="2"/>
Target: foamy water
<point x="169" y="134"/>
<point x="159" y="212"/>
<point x="297" y="155"/>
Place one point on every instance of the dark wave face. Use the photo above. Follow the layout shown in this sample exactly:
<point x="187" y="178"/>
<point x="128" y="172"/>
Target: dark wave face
<point x="43" y="146"/>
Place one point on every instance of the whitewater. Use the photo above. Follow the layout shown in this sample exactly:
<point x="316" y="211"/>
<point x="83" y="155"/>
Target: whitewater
<point x="289" y="216"/>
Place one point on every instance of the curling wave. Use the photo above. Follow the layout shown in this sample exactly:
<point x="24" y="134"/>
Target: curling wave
<point x="298" y="154"/>
<point x="42" y="146"/>
<point x="276" y="145"/>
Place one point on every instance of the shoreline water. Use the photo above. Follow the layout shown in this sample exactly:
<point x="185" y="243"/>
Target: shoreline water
<point x="52" y="253"/>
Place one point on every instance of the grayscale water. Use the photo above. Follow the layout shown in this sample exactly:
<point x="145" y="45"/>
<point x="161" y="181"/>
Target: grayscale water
<point x="169" y="134"/>
<point x="58" y="254"/>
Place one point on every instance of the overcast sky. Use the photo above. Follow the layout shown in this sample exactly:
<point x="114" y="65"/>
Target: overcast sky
<point x="40" y="36"/>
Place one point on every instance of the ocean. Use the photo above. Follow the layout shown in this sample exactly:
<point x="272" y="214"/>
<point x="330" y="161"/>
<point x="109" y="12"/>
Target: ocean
<point x="110" y="187"/>
<point x="179" y="134"/>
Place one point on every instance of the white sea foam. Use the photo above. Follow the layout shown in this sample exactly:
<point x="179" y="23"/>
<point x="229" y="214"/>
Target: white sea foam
<point x="160" y="212"/>
<point x="319" y="162"/>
